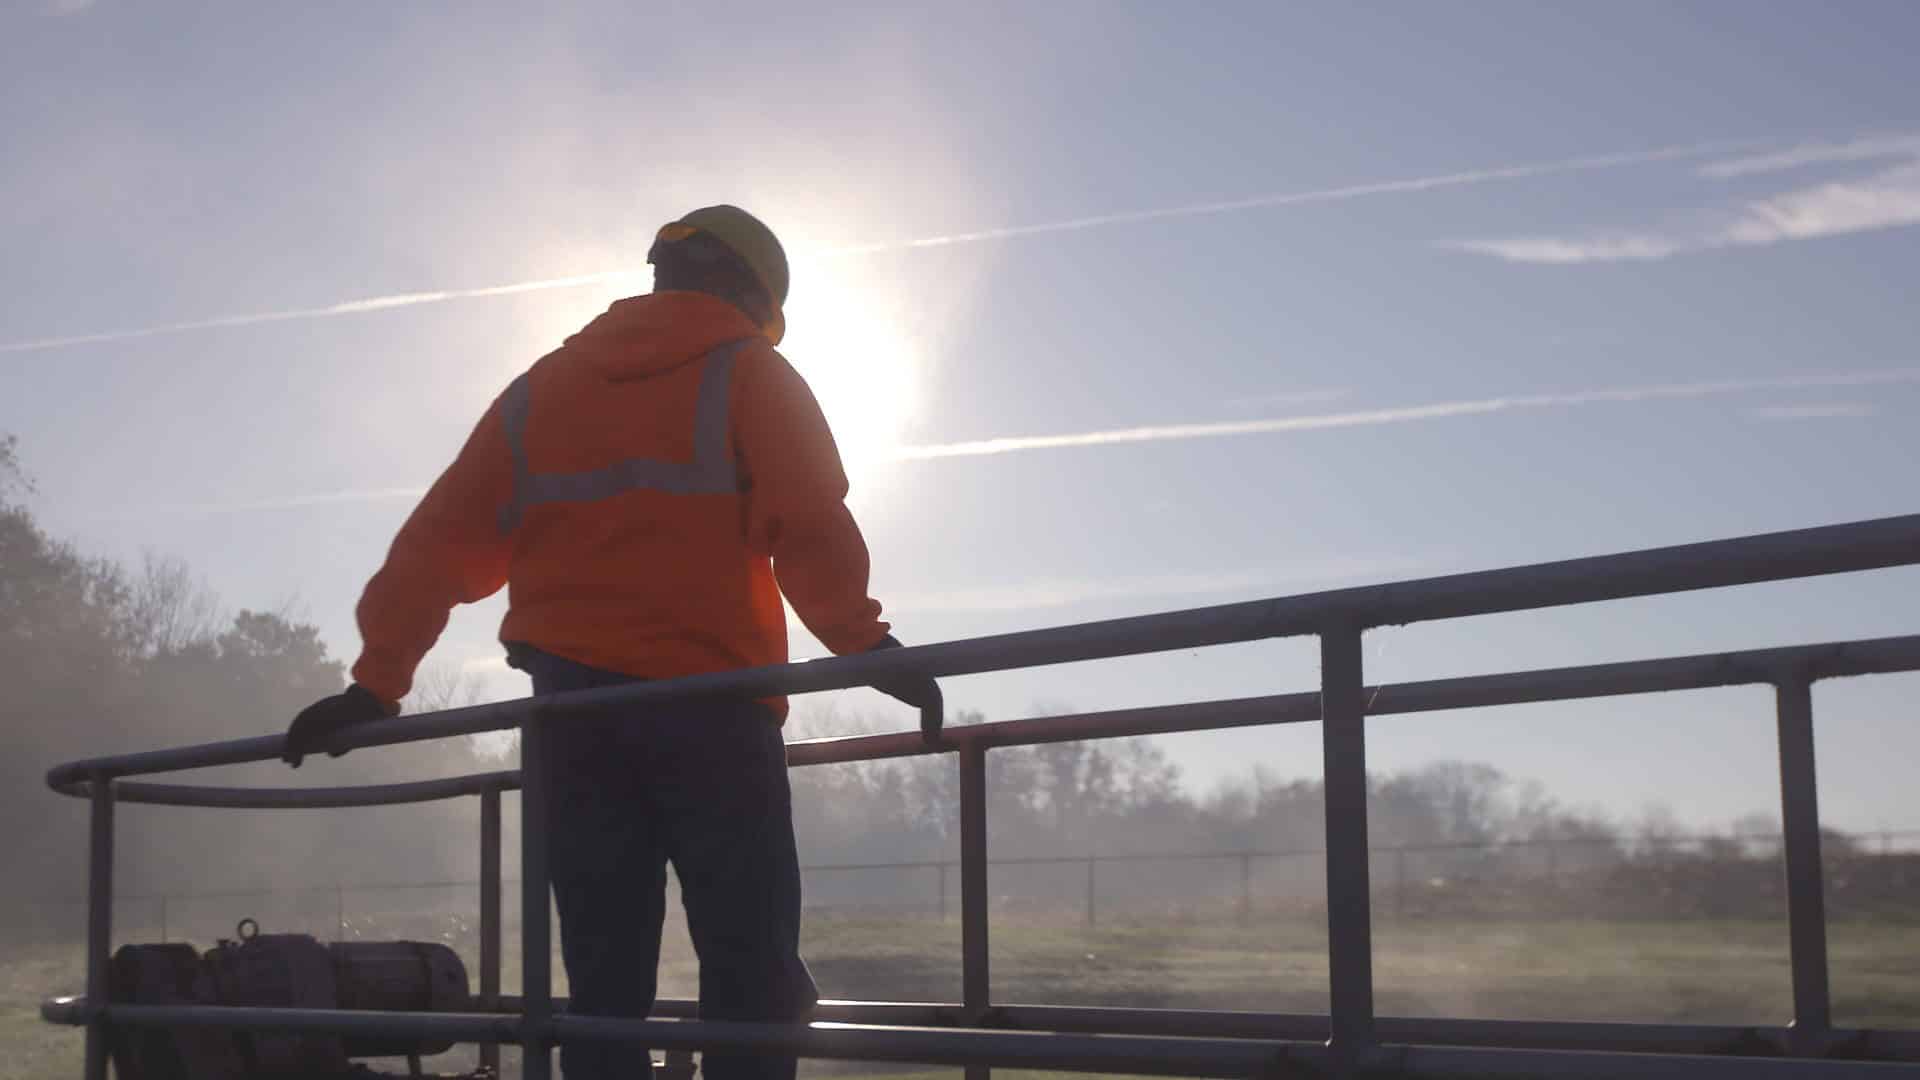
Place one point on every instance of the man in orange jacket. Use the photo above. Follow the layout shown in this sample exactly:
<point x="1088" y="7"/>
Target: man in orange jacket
<point x="648" y="492"/>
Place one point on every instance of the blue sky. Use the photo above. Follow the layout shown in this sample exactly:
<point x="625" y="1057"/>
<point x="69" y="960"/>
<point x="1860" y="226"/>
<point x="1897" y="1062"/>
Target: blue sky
<point x="1478" y="285"/>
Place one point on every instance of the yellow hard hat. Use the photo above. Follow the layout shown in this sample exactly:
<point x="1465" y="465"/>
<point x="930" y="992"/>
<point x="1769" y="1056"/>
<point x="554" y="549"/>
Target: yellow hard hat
<point x="749" y="238"/>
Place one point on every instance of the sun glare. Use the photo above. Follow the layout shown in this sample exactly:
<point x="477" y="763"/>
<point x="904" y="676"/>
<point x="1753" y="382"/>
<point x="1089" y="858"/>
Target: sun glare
<point x="846" y="335"/>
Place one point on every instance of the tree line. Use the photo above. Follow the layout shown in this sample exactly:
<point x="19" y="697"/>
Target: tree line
<point x="98" y="657"/>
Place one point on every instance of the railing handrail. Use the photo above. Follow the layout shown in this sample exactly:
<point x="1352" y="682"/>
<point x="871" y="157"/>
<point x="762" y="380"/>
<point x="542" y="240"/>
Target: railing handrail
<point x="1866" y="656"/>
<point x="1830" y="549"/>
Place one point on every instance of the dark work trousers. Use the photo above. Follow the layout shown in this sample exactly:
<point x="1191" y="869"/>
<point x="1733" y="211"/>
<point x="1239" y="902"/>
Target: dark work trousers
<point x="702" y="785"/>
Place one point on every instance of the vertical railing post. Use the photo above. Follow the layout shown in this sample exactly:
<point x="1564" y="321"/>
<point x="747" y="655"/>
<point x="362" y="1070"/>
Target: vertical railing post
<point x="99" y="922"/>
<point x="1806" y="899"/>
<point x="976" y="986"/>
<point x="1400" y="882"/>
<point x="1091" y="886"/>
<point x="536" y="947"/>
<point x="1349" y="901"/>
<point x="490" y="916"/>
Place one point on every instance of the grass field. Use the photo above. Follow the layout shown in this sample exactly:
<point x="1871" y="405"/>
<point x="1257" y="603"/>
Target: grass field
<point x="1726" y="972"/>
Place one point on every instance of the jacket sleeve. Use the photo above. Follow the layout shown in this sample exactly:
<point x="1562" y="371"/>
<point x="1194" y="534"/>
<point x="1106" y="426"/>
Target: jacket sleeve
<point x="796" y="506"/>
<point x="450" y="551"/>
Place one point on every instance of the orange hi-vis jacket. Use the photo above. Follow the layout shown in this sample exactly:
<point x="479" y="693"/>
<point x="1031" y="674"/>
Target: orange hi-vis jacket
<point x="647" y="492"/>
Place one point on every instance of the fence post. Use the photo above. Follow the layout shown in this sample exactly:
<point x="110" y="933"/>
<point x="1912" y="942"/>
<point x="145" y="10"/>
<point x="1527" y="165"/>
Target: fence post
<point x="536" y="905"/>
<point x="1343" y="736"/>
<point x="976" y="986"/>
<point x="99" y="921"/>
<point x="1806" y="900"/>
<point x="1246" y="887"/>
<point x="490" y="916"/>
<point x="1091" y="863"/>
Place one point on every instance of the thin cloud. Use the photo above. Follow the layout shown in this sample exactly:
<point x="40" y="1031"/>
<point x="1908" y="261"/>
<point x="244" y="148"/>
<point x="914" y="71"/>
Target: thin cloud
<point x="1865" y="148"/>
<point x="1886" y="199"/>
<point x="1564" y="250"/>
<point x="1299" y="198"/>
<point x="1834" y="411"/>
<point x="348" y="307"/>
<point x="1340" y="194"/>
<point x="1407" y="414"/>
<point x="1180" y="432"/>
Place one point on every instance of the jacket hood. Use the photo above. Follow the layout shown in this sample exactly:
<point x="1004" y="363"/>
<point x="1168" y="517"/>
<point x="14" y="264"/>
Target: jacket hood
<point x="643" y="336"/>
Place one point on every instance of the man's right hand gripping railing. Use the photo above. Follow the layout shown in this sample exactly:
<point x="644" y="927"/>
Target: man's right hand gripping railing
<point x="919" y="691"/>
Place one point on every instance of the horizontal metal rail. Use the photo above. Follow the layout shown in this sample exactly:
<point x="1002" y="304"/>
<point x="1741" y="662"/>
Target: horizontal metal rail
<point x="1061" y="1050"/>
<point x="1868" y="1044"/>
<point x="314" y="798"/>
<point x="1869" y="656"/>
<point x="1356" y="1041"/>
<point x="1690" y="1040"/>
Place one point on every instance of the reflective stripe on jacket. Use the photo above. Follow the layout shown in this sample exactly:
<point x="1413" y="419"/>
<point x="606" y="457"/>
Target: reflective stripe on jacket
<point x="647" y="492"/>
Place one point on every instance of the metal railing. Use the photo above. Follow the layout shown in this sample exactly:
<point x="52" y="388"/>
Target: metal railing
<point x="977" y="1033"/>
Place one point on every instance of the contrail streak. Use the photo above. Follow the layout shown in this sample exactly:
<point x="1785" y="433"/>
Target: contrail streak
<point x="1009" y="232"/>
<point x="349" y="307"/>
<point x="1406" y="414"/>
<point x="1277" y="425"/>
<point x="1176" y="432"/>
<point x="1339" y="194"/>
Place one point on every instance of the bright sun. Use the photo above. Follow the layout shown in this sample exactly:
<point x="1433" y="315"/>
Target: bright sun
<point x="845" y="334"/>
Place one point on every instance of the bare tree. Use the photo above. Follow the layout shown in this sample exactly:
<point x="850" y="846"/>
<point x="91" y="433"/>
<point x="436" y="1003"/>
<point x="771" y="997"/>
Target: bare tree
<point x="440" y="686"/>
<point x="1755" y="835"/>
<point x="172" y="608"/>
<point x="1659" y="832"/>
<point x="443" y="686"/>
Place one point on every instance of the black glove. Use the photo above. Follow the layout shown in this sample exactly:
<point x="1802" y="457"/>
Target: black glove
<point x="919" y="691"/>
<point x="328" y="716"/>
